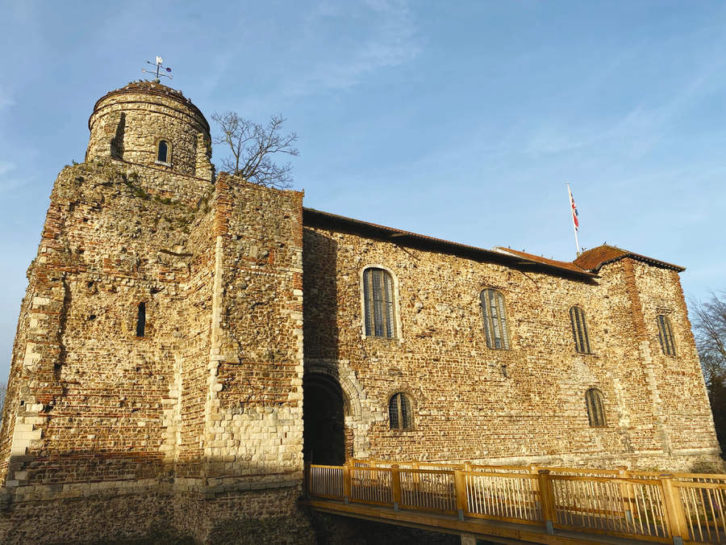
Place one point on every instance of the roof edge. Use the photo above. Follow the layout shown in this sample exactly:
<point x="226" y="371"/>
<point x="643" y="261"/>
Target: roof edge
<point x="319" y="218"/>
<point x="596" y="258"/>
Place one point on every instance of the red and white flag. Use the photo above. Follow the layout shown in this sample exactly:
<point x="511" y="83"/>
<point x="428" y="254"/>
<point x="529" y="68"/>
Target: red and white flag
<point x="575" y="221"/>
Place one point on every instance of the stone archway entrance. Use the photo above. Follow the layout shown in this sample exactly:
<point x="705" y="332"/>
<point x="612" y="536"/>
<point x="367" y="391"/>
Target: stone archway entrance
<point x="324" y="409"/>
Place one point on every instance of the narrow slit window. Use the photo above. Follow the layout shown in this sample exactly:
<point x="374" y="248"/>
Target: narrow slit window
<point x="595" y="408"/>
<point x="665" y="335"/>
<point x="141" y="320"/>
<point x="399" y="412"/>
<point x="379" y="303"/>
<point x="163" y="152"/>
<point x="579" y="330"/>
<point x="495" y="319"/>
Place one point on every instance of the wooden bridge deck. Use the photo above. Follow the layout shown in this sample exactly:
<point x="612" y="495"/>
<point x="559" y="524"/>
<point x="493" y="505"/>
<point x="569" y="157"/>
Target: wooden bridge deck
<point x="527" y="504"/>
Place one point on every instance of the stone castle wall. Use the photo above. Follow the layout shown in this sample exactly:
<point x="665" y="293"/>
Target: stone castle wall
<point x="159" y="515"/>
<point x="196" y="426"/>
<point x="522" y="405"/>
<point x="206" y="404"/>
<point x="96" y="394"/>
<point x="129" y="123"/>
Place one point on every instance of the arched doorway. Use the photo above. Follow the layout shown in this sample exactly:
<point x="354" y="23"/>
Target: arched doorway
<point x="324" y="420"/>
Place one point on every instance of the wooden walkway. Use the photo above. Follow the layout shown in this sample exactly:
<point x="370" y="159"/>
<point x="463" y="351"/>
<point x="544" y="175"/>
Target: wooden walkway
<point x="510" y="504"/>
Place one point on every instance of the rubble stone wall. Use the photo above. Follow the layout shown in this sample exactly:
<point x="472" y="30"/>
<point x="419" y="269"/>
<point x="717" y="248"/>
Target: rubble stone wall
<point x="522" y="405"/>
<point x="130" y="122"/>
<point x="206" y="404"/>
<point x="255" y="412"/>
<point x="157" y="514"/>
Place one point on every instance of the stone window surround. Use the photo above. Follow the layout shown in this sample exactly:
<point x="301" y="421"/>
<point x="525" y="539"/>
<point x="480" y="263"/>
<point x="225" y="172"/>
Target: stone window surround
<point x="666" y="338"/>
<point x="169" y="149"/>
<point x="506" y="332"/>
<point x="412" y="405"/>
<point x="578" y="340"/>
<point x="396" y="307"/>
<point x="594" y="399"/>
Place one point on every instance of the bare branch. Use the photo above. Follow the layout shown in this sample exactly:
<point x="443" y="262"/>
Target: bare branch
<point x="710" y="330"/>
<point x="252" y="146"/>
<point x="709" y="326"/>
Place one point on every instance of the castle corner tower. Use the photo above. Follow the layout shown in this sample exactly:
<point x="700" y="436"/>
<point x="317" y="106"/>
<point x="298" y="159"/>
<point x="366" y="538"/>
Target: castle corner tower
<point x="156" y="376"/>
<point x="150" y="124"/>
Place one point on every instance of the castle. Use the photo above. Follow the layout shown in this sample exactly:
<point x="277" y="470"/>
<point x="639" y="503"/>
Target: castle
<point x="187" y="341"/>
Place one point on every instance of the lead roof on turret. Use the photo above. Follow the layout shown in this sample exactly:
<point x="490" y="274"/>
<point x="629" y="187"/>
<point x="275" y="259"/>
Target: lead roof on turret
<point x="152" y="88"/>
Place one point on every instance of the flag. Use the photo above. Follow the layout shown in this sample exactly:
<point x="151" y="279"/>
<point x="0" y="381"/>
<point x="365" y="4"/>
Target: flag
<point x="575" y="221"/>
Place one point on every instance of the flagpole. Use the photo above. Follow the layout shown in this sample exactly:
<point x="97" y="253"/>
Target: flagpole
<point x="572" y="213"/>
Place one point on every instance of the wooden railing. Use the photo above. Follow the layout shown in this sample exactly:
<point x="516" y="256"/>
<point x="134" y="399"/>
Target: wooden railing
<point x="667" y="508"/>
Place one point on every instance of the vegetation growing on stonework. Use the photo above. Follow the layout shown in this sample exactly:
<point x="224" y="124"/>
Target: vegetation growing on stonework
<point x="710" y="330"/>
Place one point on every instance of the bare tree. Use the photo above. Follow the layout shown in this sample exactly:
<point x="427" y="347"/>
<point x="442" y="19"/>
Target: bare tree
<point x="252" y="146"/>
<point x="710" y="330"/>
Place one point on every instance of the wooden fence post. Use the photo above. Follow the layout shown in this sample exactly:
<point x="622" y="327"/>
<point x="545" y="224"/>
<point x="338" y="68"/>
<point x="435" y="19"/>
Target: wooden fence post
<point x="674" y="509"/>
<point x="547" y="499"/>
<point x="396" y="486"/>
<point x="460" y="491"/>
<point x="346" y="482"/>
<point x="416" y="475"/>
<point x="626" y="491"/>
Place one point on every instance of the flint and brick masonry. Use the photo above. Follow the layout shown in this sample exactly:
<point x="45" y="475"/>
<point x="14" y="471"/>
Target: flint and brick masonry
<point x="173" y="317"/>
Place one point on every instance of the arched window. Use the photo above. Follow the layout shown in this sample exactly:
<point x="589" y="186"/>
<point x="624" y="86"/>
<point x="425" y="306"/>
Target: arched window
<point x="495" y="319"/>
<point x="595" y="408"/>
<point x="399" y="412"/>
<point x="162" y="154"/>
<point x="579" y="330"/>
<point x="379" y="309"/>
<point x="665" y="336"/>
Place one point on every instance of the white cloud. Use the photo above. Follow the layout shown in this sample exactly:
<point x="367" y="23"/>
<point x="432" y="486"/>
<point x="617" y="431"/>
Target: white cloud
<point x="390" y="39"/>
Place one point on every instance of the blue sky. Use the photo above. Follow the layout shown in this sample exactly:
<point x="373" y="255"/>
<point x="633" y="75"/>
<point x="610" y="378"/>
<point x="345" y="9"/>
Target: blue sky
<point x="461" y="120"/>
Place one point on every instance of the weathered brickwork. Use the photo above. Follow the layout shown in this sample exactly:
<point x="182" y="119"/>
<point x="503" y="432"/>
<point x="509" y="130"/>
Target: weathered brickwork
<point x="130" y="122"/>
<point x="156" y="381"/>
<point x="522" y="405"/>
<point x="204" y="403"/>
<point x="250" y="518"/>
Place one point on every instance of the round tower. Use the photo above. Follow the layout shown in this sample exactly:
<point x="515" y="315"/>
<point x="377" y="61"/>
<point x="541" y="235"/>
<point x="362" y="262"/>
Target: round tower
<point x="151" y="124"/>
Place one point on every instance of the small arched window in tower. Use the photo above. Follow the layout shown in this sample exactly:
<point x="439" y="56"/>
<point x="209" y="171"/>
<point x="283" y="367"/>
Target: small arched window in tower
<point x="579" y="330"/>
<point x="162" y="154"/>
<point x="141" y="320"/>
<point x="495" y="319"/>
<point x="595" y="408"/>
<point x="399" y="412"/>
<point x="378" y="299"/>
<point x="665" y="335"/>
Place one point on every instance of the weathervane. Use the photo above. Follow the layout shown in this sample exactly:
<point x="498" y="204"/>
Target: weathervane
<point x="159" y="67"/>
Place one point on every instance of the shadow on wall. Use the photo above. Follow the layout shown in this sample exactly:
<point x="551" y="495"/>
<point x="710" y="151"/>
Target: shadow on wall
<point x="326" y="441"/>
<point x="256" y="504"/>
